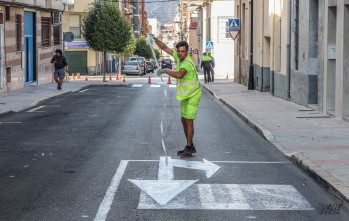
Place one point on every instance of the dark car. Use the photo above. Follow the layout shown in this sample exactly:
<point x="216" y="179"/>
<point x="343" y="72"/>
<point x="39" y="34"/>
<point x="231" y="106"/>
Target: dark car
<point x="166" y="63"/>
<point x="151" y="67"/>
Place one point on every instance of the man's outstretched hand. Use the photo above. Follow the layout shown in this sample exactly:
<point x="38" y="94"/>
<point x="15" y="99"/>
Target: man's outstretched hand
<point x="160" y="72"/>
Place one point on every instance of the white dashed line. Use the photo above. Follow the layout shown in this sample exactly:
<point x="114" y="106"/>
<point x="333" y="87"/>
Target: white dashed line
<point x="137" y="85"/>
<point x="173" y="86"/>
<point x="36" y="109"/>
<point x="84" y="90"/>
<point x="10" y="122"/>
<point x="155" y="85"/>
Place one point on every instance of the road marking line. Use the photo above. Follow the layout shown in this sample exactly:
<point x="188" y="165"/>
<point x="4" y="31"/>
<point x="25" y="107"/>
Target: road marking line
<point x="173" y="86"/>
<point x="250" y="162"/>
<point x="165" y="172"/>
<point x="84" y="90"/>
<point x="35" y="109"/>
<point x="111" y="191"/>
<point x="233" y="197"/>
<point x="155" y="85"/>
<point x="137" y="85"/>
<point x="10" y="122"/>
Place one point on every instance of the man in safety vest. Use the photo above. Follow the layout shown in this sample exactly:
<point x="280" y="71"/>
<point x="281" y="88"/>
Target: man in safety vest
<point x="188" y="90"/>
<point x="206" y="64"/>
<point x="213" y="65"/>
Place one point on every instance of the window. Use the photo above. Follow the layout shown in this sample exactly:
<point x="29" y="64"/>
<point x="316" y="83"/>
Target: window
<point x="7" y="13"/>
<point x="45" y="29"/>
<point x="75" y="25"/>
<point x="57" y="35"/>
<point x="19" y="32"/>
<point x="223" y="34"/>
<point x="1" y="18"/>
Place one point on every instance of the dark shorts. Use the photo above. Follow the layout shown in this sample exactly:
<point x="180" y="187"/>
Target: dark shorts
<point x="59" y="73"/>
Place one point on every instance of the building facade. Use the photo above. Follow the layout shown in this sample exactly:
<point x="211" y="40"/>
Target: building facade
<point x="296" y="50"/>
<point x="213" y="16"/>
<point x="30" y="32"/>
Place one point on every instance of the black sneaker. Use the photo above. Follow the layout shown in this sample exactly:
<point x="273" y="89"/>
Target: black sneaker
<point x="185" y="153"/>
<point x="190" y="148"/>
<point x="59" y="87"/>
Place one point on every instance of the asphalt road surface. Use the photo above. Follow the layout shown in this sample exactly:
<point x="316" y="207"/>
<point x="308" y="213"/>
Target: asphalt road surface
<point x="95" y="155"/>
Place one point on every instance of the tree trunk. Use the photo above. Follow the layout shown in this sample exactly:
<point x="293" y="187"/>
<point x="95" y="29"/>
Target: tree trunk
<point x="121" y="59"/>
<point x="104" y="65"/>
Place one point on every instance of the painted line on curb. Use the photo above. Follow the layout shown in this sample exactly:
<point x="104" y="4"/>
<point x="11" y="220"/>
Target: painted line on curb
<point x="84" y="90"/>
<point x="111" y="191"/>
<point x="36" y="109"/>
<point x="10" y="122"/>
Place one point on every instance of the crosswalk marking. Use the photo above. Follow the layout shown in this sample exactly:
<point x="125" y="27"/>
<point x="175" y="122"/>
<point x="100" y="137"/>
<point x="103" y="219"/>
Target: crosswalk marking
<point x="155" y="85"/>
<point x="137" y="85"/>
<point x="233" y="197"/>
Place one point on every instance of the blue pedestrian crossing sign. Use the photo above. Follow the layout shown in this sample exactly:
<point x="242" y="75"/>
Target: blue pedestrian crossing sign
<point x="209" y="45"/>
<point x="234" y="24"/>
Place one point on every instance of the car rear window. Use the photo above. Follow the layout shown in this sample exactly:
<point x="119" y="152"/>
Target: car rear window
<point x="149" y="63"/>
<point x="166" y="61"/>
<point x="131" y="63"/>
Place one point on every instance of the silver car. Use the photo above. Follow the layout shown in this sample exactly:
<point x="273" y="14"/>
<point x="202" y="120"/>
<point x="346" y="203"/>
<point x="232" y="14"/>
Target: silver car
<point x="131" y="67"/>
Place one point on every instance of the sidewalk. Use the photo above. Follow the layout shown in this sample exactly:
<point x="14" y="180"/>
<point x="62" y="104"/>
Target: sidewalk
<point x="317" y="143"/>
<point x="32" y="95"/>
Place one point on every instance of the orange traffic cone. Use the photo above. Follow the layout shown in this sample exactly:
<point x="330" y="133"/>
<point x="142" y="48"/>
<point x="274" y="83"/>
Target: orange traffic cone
<point x="124" y="81"/>
<point x="86" y="79"/>
<point x="110" y="79"/>
<point x="78" y="75"/>
<point x="73" y="76"/>
<point x="169" y="80"/>
<point x="117" y="77"/>
<point x="149" y="80"/>
<point x="68" y="77"/>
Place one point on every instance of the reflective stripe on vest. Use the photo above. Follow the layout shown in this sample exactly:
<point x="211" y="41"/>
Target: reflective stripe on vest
<point x="189" y="83"/>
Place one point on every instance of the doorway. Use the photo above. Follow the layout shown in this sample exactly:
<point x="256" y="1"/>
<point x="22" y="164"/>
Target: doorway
<point x="29" y="47"/>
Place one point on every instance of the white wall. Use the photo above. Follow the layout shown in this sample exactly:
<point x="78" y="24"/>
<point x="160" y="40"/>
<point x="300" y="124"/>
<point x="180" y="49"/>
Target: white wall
<point x="154" y="29"/>
<point x="223" y="51"/>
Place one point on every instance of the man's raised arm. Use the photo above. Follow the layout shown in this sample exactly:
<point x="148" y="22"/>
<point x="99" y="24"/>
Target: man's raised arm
<point x="163" y="46"/>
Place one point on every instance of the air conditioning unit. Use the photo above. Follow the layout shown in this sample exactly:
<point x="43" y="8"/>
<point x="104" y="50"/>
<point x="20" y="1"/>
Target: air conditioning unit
<point x="56" y="18"/>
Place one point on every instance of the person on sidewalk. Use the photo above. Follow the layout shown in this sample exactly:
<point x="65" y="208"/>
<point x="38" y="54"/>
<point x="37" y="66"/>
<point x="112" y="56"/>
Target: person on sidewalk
<point x="188" y="90"/>
<point x="213" y="65"/>
<point x="61" y="66"/>
<point x="206" y="64"/>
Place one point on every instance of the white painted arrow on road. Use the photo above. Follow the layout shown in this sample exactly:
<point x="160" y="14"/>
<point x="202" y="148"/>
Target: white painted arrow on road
<point x="166" y="188"/>
<point x="163" y="191"/>
<point x="207" y="166"/>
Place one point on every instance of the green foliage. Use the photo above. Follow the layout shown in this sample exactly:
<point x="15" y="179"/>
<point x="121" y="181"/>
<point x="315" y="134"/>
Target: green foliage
<point x="157" y="53"/>
<point x="131" y="46"/>
<point x="143" y="49"/>
<point x="105" y="29"/>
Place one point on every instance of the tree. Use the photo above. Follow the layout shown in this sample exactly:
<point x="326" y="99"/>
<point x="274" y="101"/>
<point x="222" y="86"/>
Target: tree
<point x="130" y="47"/>
<point x="106" y="30"/>
<point x="143" y="49"/>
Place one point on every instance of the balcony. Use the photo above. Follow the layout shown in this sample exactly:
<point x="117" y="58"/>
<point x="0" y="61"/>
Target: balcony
<point x="55" y="5"/>
<point x="49" y="4"/>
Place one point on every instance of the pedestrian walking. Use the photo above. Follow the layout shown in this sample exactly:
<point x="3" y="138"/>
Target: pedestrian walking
<point x="212" y="68"/>
<point x="188" y="90"/>
<point x="61" y="66"/>
<point x="206" y="64"/>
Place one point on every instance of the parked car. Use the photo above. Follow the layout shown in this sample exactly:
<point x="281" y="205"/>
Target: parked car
<point x="142" y="62"/>
<point x="150" y="67"/>
<point x="166" y="63"/>
<point x="131" y="67"/>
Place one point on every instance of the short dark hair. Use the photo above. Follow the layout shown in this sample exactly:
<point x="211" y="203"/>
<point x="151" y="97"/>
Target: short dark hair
<point x="59" y="51"/>
<point x="181" y="44"/>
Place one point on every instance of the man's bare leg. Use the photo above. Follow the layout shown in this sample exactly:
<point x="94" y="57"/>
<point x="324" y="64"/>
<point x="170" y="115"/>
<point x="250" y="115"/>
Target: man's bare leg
<point x="185" y="128"/>
<point x="190" y="131"/>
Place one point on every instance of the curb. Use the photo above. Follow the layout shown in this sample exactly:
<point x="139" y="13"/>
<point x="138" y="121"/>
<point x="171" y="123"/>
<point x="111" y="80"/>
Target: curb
<point x="323" y="178"/>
